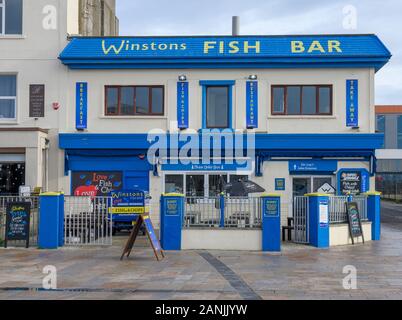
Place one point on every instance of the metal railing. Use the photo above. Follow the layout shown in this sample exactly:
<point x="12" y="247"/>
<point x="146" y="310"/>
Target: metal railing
<point x="87" y="221"/>
<point x="337" y="208"/>
<point x="34" y="219"/>
<point x="301" y="219"/>
<point x="202" y="212"/>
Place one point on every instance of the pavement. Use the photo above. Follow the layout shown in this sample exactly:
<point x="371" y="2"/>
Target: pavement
<point x="298" y="272"/>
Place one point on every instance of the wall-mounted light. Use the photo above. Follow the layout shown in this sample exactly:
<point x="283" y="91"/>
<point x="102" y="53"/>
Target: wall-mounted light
<point x="182" y="77"/>
<point x="253" y="77"/>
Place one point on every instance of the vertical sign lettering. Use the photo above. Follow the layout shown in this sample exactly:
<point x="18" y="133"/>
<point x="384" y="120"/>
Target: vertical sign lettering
<point x="182" y="105"/>
<point x="81" y="105"/>
<point x="352" y="103"/>
<point x="252" y="104"/>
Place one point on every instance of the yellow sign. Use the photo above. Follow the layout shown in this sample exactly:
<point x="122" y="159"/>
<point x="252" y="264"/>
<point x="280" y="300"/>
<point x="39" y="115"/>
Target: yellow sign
<point x="127" y="210"/>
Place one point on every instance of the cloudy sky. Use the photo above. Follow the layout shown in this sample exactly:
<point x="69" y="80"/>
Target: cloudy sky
<point x="265" y="17"/>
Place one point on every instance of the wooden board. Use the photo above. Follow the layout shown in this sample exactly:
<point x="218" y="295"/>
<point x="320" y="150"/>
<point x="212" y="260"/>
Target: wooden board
<point x="156" y="246"/>
<point x="18" y="218"/>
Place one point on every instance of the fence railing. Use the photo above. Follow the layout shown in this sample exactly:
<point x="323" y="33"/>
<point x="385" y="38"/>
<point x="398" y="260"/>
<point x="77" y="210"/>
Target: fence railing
<point x="87" y="221"/>
<point x="202" y="212"/>
<point x="34" y="219"/>
<point x="301" y="219"/>
<point x="337" y="208"/>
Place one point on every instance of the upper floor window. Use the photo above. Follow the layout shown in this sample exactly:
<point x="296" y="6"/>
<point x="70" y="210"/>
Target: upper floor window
<point x="218" y="110"/>
<point x="10" y="17"/>
<point x="301" y="100"/>
<point x="134" y="100"/>
<point x="399" y="132"/>
<point x="8" y="97"/>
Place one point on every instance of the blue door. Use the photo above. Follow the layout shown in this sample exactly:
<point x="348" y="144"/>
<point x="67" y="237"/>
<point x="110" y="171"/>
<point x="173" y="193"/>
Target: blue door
<point x="137" y="180"/>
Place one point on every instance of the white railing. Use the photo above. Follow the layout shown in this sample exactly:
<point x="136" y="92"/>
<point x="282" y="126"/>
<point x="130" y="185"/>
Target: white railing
<point x="301" y="219"/>
<point x="337" y="208"/>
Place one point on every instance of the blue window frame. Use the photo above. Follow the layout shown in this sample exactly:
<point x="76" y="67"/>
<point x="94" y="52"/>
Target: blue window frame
<point x="217" y="104"/>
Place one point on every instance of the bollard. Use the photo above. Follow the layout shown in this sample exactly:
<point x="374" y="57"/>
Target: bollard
<point x="318" y="220"/>
<point x="49" y="220"/>
<point x="222" y="210"/>
<point x="271" y="222"/>
<point x="172" y="213"/>
<point x="374" y="214"/>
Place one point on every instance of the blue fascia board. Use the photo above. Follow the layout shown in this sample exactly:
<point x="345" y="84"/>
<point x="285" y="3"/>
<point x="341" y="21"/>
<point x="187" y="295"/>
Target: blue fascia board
<point x="311" y="142"/>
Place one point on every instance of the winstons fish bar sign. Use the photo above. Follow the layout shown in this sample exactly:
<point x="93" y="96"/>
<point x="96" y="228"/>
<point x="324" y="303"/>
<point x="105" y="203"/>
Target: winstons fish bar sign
<point x="225" y="52"/>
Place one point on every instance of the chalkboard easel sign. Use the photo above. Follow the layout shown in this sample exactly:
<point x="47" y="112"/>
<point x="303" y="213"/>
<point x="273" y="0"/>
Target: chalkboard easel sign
<point x="156" y="246"/>
<point x="355" y="225"/>
<point x="18" y="216"/>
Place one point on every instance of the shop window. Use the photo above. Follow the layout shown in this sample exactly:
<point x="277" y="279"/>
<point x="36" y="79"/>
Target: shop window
<point x="174" y="183"/>
<point x="195" y="185"/>
<point x="12" y="176"/>
<point x="216" y="184"/>
<point x="10" y="17"/>
<point x="134" y="100"/>
<point x="217" y="113"/>
<point x="380" y="127"/>
<point x="302" y="100"/>
<point x="235" y="178"/>
<point x="8" y="96"/>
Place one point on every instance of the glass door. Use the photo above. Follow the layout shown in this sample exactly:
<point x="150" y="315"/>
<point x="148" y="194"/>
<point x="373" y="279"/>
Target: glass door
<point x="301" y="186"/>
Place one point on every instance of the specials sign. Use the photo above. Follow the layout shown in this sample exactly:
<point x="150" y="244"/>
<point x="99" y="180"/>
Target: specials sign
<point x="351" y="182"/>
<point x="17" y="222"/>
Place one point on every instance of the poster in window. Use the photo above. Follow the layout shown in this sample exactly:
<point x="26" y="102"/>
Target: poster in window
<point x="96" y="183"/>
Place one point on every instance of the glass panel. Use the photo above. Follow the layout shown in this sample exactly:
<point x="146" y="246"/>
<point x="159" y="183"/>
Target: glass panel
<point x="319" y="182"/>
<point x="217" y="107"/>
<point x="157" y="100"/>
<point x="1" y="19"/>
<point x="324" y="100"/>
<point x="7" y="109"/>
<point x="174" y="183"/>
<point x="279" y="100"/>
<point x="380" y="124"/>
<point x="301" y="186"/>
<point x="399" y="132"/>
<point x="8" y="86"/>
<point x="216" y="184"/>
<point x="293" y="100"/>
<point x="309" y="100"/>
<point x="14" y="17"/>
<point x="112" y="98"/>
<point x="195" y="185"/>
<point x="127" y="101"/>
<point x="234" y="178"/>
<point x="142" y="100"/>
<point x="12" y="176"/>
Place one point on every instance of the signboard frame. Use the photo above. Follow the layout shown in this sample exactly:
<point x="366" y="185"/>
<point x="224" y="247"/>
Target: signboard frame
<point x="353" y="214"/>
<point x="27" y="209"/>
<point x="37" y="94"/>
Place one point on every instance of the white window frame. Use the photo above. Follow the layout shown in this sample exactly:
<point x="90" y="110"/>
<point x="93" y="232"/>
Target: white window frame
<point x="2" y="120"/>
<point x="3" y="33"/>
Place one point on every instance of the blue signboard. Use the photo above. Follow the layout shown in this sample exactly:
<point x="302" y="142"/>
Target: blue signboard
<point x="280" y="184"/>
<point x="324" y="166"/>
<point x="271" y="208"/>
<point x="81" y="105"/>
<point x="353" y="181"/>
<point x="128" y="202"/>
<point x="252" y="104"/>
<point x="352" y="103"/>
<point x="182" y="105"/>
<point x="246" y="166"/>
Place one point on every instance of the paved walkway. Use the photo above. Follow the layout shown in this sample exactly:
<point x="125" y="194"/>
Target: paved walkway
<point x="299" y="272"/>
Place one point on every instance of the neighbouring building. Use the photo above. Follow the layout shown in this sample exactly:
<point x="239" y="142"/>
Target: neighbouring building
<point x="305" y="101"/>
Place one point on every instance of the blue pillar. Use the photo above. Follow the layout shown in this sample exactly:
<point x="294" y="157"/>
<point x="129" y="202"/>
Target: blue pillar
<point x="172" y="213"/>
<point x="374" y="214"/>
<point x="318" y="220"/>
<point x="271" y="222"/>
<point x="49" y="220"/>
<point x="222" y="210"/>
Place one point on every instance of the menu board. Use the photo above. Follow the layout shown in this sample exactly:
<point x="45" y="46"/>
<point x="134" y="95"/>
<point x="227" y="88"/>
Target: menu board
<point x="17" y="222"/>
<point x="351" y="182"/>
<point x="37" y="100"/>
<point x="96" y="183"/>
<point x="355" y="226"/>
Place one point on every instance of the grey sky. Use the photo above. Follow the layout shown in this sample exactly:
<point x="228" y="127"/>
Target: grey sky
<point x="213" y="17"/>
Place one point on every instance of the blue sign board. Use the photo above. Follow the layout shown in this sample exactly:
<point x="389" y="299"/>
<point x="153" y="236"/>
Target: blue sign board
<point x="182" y="105"/>
<point x="246" y="166"/>
<point x="271" y="208"/>
<point x="300" y="166"/>
<point x="127" y="204"/>
<point x="252" y="104"/>
<point x="81" y="105"/>
<point x="280" y="184"/>
<point x="352" y="103"/>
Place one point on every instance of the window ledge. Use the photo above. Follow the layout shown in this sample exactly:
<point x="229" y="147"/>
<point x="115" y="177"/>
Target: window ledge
<point x="301" y="117"/>
<point x="13" y="122"/>
<point x="13" y="36"/>
<point x="134" y="117"/>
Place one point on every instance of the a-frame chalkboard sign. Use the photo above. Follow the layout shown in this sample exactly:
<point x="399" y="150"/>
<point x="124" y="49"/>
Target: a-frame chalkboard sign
<point x="156" y="246"/>
<point x="18" y="219"/>
<point x="354" y="221"/>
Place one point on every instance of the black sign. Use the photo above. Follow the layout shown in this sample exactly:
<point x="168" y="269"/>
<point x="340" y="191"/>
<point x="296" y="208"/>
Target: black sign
<point x="96" y="183"/>
<point x="17" y="222"/>
<point x="355" y="225"/>
<point x="351" y="182"/>
<point x="156" y="246"/>
<point x="37" y="100"/>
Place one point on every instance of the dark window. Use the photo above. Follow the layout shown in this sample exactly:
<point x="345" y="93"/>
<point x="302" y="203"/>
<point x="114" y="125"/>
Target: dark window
<point x="134" y="100"/>
<point x="399" y="132"/>
<point x="12" y="176"/>
<point x="10" y="17"/>
<point x="380" y="127"/>
<point x="217" y="107"/>
<point x="302" y="100"/>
